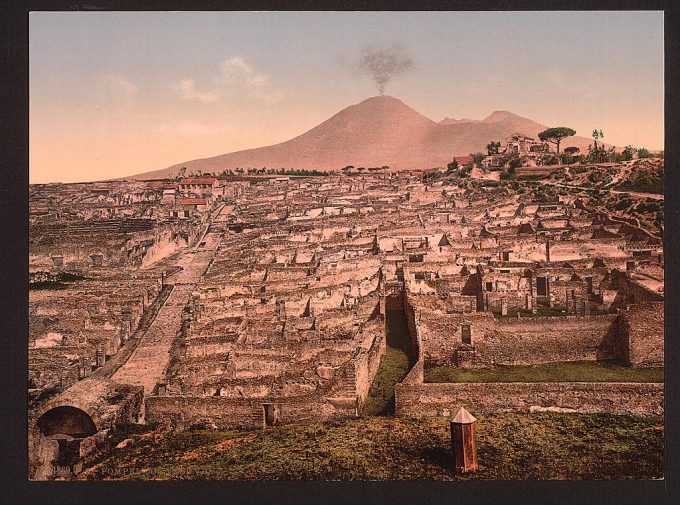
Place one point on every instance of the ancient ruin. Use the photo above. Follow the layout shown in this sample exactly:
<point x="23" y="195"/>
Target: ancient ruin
<point x="258" y="301"/>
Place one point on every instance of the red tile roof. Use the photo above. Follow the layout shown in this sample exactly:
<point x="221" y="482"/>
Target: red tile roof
<point x="154" y="184"/>
<point x="192" y="201"/>
<point x="199" y="180"/>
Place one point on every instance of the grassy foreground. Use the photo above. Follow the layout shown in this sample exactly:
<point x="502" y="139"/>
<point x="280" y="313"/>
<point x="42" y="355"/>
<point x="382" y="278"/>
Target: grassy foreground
<point x="510" y="446"/>
<point x="574" y="371"/>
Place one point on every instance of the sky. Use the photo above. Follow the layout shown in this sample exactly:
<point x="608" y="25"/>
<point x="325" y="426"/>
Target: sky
<point x="119" y="93"/>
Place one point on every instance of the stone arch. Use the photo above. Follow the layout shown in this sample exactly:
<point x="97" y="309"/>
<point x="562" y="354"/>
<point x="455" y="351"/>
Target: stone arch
<point x="66" y="420"/>
<point x="62" y="429"/>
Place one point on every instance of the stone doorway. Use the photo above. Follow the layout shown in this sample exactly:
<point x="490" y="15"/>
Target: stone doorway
<point x="272" y="414"/>
<point x="541" y="286"/>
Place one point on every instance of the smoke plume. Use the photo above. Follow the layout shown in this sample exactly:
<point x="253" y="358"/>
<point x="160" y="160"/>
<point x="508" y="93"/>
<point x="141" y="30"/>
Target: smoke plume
<point x="384" y="64"/>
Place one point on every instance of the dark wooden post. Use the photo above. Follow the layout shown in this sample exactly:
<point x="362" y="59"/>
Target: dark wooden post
<point x="463" y="442"/>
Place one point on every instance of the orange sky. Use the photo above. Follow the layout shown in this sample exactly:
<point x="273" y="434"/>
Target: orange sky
<point x="114" y="94"/>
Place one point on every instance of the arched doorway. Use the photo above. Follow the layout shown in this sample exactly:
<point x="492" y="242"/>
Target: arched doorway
<point x="68" y="426"/>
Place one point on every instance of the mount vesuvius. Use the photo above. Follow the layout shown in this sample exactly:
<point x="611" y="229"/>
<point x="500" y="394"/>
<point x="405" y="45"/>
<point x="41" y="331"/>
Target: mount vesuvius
<point x="378" y="131"/>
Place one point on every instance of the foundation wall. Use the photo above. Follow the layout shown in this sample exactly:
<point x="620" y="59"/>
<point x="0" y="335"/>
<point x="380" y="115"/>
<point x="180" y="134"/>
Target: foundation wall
<point x="643" y="334"/>
<point x="173" y="412"/>
<point x="622" y="398"/>
<point x="523" y="341"/>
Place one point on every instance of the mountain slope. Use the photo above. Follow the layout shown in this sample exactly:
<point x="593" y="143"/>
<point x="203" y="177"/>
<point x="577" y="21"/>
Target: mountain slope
<point x="379" y="131"/>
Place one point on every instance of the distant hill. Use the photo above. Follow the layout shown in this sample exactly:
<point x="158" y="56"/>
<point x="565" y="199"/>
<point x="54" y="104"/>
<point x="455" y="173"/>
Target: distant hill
<point x="381" y="130"/>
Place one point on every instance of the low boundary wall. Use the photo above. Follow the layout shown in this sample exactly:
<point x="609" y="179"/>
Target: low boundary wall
<point x="620" y="398"/>
<point x="182" y="412"/>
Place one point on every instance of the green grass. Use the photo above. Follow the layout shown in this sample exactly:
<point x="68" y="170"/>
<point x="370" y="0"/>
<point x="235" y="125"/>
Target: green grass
<point x="396" y="364"/>
<point x="510" y="446"/>
<point x="542" y="311"/>
<point x="393" y="369"/>
<point x="574" y="371"/>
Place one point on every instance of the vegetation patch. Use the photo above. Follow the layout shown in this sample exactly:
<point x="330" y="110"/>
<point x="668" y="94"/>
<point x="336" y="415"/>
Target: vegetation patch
<point x="541" y="311"/>
<point x="647" y="179"/>
<point x="48" y="280"/>
<point x="396" y="364"/>
<point x="509" y="445"/>
<point x="571" y="371"/>
<point x="393" y="369"/>
<point x="38" y="396"/>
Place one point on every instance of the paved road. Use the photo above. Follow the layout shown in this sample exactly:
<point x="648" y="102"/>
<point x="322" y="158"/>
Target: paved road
<point x="147" y="364"/>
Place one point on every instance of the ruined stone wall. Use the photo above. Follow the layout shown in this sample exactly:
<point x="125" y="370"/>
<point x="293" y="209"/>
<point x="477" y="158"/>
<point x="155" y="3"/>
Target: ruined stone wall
<point x="181" y="412"/>
<point x="514" y="299"/>
<point x="419" y="400"/>
<point x="461" y="303"/>
<point x="642" y="334"/>
<point x="77" y="251"/>
<point x="50" y="369"/>
<point x="563" y="293"/>
<point x="413" y="323"/>
<point x="523" y="341"/>
<point x="416" y="375"/>
<point x="632" y="291"/>
<point x="165" y="243"/>
<point x="367" y="364"/>
<point x="394" y="302"/>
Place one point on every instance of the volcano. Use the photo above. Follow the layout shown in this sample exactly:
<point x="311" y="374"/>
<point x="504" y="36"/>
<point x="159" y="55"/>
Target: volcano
<point x="378" y="131"/>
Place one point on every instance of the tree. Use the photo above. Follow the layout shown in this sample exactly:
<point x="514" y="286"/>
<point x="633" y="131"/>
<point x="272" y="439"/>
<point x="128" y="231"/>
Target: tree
<point x="492" y="148"/>
<point x="514" y="164"/>
<point x="478" y="157"/>
<point x="556" y="135"/>
<point x="628" y="152"/>
<point x="597" y="152"/>
<point x="452" y="166"/>
<point x="597" y="134"/>
<point x="569" y="153"/>
<point x="643" y="152"/>
<point x="181" y="172"/>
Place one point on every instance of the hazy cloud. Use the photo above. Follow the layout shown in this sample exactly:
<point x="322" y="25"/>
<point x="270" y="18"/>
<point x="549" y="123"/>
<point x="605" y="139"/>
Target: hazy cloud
<point x="187" y="89"/>
<point x="236" y="77"/>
